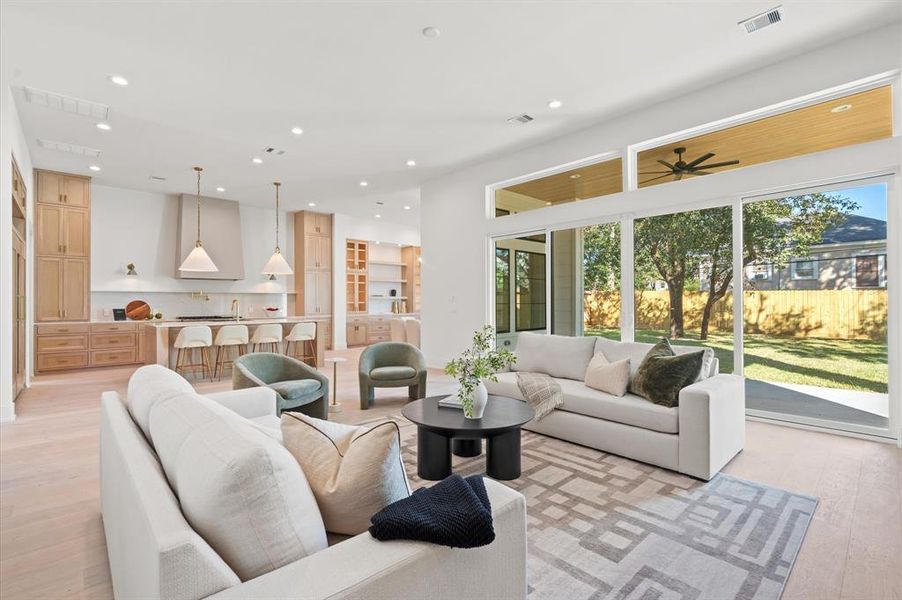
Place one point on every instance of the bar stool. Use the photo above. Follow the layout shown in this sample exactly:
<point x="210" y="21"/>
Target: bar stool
<point x="303" y="334"/>
<point x="271" y="334"/>
<point x="228" y="336"/>
<point x="187" y="341"/>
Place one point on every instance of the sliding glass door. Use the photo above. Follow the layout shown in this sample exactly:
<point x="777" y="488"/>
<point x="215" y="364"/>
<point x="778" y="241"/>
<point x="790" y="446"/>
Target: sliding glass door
<point x="816" y="307"/>
<point x="521" y="289"/>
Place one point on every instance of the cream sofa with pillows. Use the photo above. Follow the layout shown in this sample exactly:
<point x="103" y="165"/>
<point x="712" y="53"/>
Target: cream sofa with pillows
<point x="200" y="499"/>
<point x="697" y="438"/>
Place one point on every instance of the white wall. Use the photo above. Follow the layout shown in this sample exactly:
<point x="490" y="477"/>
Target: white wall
<point x="345" y="228"/>
<point x="140" y="227"/>
<point x="455" y="229"/>
<point x="12" y="143"/>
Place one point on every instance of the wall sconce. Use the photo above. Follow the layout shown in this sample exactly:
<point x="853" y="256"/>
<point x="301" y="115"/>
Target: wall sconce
<point x="131" y="270"/>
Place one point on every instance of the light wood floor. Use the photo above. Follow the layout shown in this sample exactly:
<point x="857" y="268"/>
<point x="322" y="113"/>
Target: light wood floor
<point x="52" y="543"/>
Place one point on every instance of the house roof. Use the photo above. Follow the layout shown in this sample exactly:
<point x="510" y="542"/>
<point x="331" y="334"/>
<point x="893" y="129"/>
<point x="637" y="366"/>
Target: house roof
<point x="855" y="228"/>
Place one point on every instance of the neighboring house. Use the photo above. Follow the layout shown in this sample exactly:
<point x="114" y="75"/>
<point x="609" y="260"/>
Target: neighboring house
<point x="850" y="255"/>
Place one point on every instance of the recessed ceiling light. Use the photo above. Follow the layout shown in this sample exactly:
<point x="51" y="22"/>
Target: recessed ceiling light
<point x="555" y="104"/>
<point x="257" y="161"/>
<point x="364" y="183"/>
<point x="311" y="204"/>
<point x="220" y="189"/>
<point x="406" y="208"/>
<point x="94" y="168"/>
<point x="297" y="130"/>
<point x="119" y="80"/>
<point x="841" y="108"/>
<point x="431" y="32"/>
<point x="411" y="163"/>
<point x="104" y="126"/>
<point x="575" y="176"/>
<point x="378" y="216"/>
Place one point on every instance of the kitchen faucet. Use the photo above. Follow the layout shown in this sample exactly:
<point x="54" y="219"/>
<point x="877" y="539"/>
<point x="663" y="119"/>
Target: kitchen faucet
<point x="236" y="309"/>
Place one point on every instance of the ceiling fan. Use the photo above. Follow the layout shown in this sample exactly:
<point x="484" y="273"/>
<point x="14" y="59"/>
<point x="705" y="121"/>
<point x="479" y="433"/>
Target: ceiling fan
<point x="681" y="167"/>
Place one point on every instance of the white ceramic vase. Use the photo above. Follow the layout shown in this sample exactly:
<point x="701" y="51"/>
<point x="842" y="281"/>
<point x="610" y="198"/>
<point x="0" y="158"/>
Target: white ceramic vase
<point x="480" y="399"/>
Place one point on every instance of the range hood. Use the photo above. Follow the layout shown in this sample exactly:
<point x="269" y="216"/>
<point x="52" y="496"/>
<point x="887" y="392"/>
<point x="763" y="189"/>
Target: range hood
<point x="221" y="234"/>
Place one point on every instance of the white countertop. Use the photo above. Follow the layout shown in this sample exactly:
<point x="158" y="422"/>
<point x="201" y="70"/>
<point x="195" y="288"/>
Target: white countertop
<point x="217" y="323"/>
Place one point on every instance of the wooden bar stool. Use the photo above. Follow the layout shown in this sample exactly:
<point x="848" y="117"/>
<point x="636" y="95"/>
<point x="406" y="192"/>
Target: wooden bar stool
<point x="303" y="334"/>
<point x="228" y="337"/>
<point x="187" y="342"/>
<point x="270" y="334"/>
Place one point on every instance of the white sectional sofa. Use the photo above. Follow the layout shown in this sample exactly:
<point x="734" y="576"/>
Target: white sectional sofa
<point x="697" y="438"/>
<point x="155" y="553"/>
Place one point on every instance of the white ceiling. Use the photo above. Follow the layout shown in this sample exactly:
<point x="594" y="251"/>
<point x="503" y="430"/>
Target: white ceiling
<point x="213" y="84"/>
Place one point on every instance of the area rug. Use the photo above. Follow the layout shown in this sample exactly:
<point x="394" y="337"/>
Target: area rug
<point x="603" y="526"/>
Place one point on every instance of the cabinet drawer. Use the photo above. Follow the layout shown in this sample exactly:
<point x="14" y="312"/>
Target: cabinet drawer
<point x="101" y="358"/>
<point x="53" y="343"/>
<point x="60" y="329"/>
<point x="380" y="327"/>
<point x="379" y="337"/>
<point x="112" y="327"/>
<point x="62" y="360"/>
<point x="100" y="341"/>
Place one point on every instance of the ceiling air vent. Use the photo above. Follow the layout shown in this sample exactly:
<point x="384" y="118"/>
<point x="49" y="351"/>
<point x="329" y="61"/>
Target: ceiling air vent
<point x="71" y="148"/>
<point x="75" y="106"/>
<point x="765" y="19"/>
<point x="519" y="119"/>
<point x="157" y="178"/>
<point x="275" y="151"/>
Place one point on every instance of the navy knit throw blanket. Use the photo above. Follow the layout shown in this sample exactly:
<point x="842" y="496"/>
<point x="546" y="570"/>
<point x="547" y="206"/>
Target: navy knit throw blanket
<point x="454" y="512"/>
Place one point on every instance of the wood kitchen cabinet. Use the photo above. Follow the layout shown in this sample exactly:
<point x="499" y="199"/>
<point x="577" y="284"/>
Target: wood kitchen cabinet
<point x="64" y="346"/>
<point x="357" y="331"/>
<point x="62" y="188"/>
<point x="63" y="231"/>
<point x="317" y="224"/>
<point x="313" y="267"/>
<point x="317" y="292"/>
<point x="62" y="247"/>
<point x="318" y="253"/>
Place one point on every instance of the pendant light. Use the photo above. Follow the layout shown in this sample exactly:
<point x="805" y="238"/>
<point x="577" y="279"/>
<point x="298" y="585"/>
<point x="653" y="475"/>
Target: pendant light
<point x="198" y="261"/>
<point x="277" y="265"/>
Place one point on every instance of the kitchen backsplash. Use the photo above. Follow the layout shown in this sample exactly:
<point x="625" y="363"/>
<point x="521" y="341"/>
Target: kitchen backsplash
<point x="177" y="304"/>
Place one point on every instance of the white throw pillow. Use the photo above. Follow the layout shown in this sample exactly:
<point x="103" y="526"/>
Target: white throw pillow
<point x="238" y="487"/>
<point x="354" y="471"/>
<point x="555" y="355"/>
<point x="149" y="385"/>
<point x="609" y="377"/>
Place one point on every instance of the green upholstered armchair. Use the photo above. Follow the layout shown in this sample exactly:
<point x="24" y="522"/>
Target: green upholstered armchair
<point x="299" y="386"/>
<point x="391" y="364"/>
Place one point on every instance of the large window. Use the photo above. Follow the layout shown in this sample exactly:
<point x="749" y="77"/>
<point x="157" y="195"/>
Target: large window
<point x="853" y="119"/>
<point x="590" y="181"/>
<point x="530" y="278"/>
<point x="601" y="280"/>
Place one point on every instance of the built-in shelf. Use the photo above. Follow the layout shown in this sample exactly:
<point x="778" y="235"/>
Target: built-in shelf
<point x="387" y="280"/>
<point x="382" y="263"/>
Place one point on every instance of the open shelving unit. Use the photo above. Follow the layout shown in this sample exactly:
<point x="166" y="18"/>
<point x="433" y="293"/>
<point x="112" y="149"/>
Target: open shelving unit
<point x="357" y="278"/>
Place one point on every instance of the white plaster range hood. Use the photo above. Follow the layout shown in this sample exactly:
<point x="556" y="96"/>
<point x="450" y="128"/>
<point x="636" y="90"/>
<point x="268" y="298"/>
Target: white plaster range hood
<point x="220" y="232"/>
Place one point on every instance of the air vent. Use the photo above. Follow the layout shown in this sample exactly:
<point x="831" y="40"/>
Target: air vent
<point x="766" y="19"/>
<point x="75" y="106"/>
<point x="275" y="151"/>
<point x="157" y="178"/>
<point x="519" y="119"/>
<point x="70" y="148"/>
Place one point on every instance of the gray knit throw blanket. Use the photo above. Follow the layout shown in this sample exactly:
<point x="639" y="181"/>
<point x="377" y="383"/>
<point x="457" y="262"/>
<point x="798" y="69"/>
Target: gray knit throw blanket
<point x="542" y="392"/>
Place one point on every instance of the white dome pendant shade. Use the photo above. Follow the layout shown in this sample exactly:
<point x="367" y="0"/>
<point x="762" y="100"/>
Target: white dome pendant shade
<point x="198" y="261"/>
<point x="277" y="265"/>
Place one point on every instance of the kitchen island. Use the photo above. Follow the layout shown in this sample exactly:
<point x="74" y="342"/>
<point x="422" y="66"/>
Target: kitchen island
<point x="160" y="335"/>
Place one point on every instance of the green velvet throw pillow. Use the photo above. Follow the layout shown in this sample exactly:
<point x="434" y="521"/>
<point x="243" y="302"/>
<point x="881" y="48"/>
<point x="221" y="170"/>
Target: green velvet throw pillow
<point x="663" y="374"/>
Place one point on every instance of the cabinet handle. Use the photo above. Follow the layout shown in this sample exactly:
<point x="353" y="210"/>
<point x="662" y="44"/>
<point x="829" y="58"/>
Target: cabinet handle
<point x="59" y="248"/>
<point x="60" y="198"/>
<point x="66" y="198"/>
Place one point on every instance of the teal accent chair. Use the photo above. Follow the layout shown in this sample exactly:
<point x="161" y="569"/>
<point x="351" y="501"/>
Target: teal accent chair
<point x="299" y="386"/>
<point x="391" y="364"/>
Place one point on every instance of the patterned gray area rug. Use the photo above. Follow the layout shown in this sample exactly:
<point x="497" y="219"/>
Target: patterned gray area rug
<point x="603" y="526"/>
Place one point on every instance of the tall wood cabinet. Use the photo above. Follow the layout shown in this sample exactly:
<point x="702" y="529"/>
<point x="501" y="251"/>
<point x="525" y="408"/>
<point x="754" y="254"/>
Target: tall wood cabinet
<point x="62" y="247"/>
<point x="19" y="202"/>
<point x="313" y="269"/>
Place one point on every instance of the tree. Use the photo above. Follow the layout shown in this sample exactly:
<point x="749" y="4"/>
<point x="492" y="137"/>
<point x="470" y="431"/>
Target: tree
<point x="601" y="257"/>
<point x="676" y="247"/>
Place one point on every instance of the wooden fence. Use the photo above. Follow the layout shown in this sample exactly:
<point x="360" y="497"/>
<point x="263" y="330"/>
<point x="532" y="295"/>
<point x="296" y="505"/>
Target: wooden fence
<point x="837" y="314"/>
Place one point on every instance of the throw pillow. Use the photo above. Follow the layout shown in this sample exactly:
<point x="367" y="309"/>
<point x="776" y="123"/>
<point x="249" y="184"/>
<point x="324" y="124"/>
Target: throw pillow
<point x="238" y="487"/>
<point x="354" y="471"/>
<point x="555" y="355"/>
<point x="662" y="374"/>
<point x="610" y="377"/>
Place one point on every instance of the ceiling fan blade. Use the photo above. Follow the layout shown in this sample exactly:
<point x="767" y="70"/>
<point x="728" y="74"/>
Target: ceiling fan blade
<point x="700" y="160"/>
<point x="655" y="178"/>
<point x="721" y="164"/>
<point x="654" y="172"/>
<point x="667" y="164"/>
<point x="699" y="173"/>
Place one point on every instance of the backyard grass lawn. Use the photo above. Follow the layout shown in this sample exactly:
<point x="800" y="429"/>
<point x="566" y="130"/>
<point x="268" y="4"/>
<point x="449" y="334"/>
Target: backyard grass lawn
<point x="847" y="364"/>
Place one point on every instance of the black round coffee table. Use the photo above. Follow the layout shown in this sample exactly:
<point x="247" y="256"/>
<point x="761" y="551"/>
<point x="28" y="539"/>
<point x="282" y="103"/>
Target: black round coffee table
<point x="441" y="430"/>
